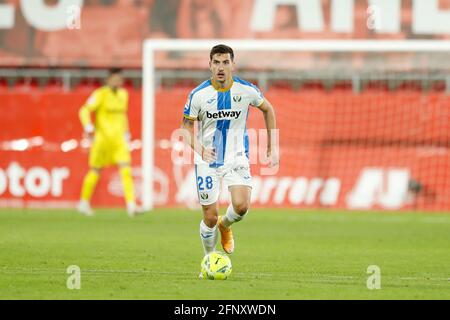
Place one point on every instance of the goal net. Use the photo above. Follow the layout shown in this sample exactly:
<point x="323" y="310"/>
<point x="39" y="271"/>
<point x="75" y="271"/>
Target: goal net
<point x="362" y="124"/>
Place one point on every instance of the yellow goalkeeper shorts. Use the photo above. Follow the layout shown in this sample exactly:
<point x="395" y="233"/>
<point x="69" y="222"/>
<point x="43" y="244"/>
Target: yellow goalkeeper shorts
<point x="106" y="152"/>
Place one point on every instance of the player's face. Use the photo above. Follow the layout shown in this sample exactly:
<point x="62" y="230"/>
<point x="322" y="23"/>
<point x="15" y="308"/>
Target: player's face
<point x="115" y="81"/>
<point x="221" y="67"/>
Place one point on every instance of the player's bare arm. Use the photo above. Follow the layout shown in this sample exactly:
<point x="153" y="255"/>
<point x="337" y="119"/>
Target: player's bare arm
<point x="270" y="120"/>
<point x="207" y="154"/>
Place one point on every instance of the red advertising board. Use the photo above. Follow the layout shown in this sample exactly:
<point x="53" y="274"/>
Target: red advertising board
<point x="373" y="150"/>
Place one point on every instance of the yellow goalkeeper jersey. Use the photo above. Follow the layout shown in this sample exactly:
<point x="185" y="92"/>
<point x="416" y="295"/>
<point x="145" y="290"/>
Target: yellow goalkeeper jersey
<point x="110" y="109"/>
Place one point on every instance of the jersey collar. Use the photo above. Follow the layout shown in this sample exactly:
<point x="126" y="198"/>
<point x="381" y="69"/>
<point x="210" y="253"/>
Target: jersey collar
<point x="218" y="88"/>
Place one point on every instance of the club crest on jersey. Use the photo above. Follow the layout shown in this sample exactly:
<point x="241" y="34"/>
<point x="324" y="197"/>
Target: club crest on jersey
<point x="237" y="98"/>
<point x="223" y="114"/>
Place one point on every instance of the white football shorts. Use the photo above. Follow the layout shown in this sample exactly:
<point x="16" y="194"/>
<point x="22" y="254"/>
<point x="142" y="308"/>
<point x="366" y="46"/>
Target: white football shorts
<point x="209" y="179"/>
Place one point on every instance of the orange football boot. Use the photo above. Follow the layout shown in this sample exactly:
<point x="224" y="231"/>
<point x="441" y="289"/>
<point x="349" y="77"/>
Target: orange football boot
<point x="226" y="236"/>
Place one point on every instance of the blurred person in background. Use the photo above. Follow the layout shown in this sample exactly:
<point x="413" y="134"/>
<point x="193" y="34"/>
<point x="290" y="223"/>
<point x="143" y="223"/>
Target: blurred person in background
<point x="110" y="140"/>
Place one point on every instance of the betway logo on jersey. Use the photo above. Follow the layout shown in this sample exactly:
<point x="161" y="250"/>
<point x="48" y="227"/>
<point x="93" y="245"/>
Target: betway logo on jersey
<point x="223" y="114"/>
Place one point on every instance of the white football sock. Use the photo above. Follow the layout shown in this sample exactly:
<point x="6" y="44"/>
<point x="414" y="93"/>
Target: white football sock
<point x="208" y="236"/>
<point x="231" y="217"/>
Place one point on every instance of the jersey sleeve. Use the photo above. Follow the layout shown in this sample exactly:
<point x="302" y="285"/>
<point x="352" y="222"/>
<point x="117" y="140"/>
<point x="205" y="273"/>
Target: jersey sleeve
<point x="192" y="107"/>
<point x="94" y="101"/>
<point x="257" y="96"/>
<point x="91" y="105"/>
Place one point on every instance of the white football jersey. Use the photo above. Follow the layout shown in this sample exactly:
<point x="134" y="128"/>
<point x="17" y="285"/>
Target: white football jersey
<point x="223" y="117"/>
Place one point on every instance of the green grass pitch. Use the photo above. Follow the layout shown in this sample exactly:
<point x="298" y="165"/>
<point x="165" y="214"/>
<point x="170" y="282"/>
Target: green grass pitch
<point x="280" y="254"/>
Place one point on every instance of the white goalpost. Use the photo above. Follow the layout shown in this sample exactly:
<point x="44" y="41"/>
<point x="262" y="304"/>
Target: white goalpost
<point x="150" y="46"/>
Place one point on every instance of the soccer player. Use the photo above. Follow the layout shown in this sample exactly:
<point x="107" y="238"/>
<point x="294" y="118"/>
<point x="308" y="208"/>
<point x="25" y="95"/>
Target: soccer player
<point x="110" y="144"/>
<point x="221" y="105"/>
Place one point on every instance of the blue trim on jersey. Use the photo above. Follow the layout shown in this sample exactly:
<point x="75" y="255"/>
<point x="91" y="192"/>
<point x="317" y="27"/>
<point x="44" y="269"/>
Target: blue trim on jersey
<point x="222" y="126"/>
<point x="246" y="83"/>
<point x="246" y="142"/>
<point x="203" y="85"/>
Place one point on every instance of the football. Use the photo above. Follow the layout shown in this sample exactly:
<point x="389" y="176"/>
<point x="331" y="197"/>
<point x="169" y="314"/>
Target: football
<point x="216" y="266"/>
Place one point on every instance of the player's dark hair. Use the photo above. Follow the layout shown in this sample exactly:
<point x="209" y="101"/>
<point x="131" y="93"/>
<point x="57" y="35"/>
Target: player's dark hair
<point x="115" y="70"/>
<point x="221" y="48"/>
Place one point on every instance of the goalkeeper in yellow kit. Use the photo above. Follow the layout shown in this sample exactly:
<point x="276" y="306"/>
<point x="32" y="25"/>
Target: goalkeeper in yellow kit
<point x="110" y="139"/>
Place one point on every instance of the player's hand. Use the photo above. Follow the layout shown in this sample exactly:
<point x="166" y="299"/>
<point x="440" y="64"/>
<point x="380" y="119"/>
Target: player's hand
<point x="274" y="158"/>
<point x="88" y="132"/>
<point x="127" y="137"/>
<point x="208" y="155"/>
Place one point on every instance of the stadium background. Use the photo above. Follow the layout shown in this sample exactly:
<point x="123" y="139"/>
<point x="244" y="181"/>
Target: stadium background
<point x="382" y="146"/>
